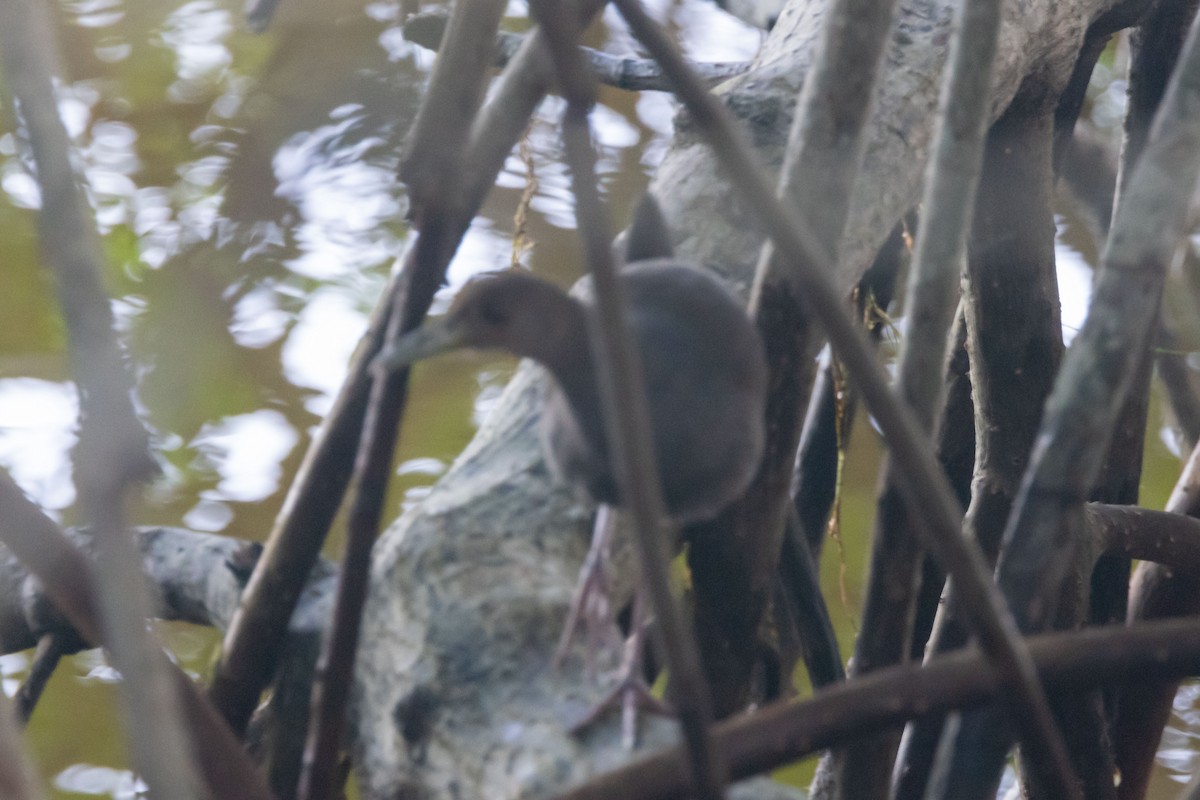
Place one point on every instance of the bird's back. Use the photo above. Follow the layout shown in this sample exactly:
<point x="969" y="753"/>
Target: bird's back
<point x="706" y="378"/>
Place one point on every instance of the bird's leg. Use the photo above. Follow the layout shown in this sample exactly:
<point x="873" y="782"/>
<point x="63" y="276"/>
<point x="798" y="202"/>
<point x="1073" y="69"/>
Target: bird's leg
<point x="592" y="607"/>
<point x="631" y="691"/>
<point x="591" y="604"/>
<point x="632" y="681"/>
<point x="635" y="690"/>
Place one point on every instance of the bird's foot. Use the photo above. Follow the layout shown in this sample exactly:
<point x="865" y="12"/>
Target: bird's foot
<point x="630" y="695"/>
<point x="591" y="606"/>
<point x="632" y="692"/>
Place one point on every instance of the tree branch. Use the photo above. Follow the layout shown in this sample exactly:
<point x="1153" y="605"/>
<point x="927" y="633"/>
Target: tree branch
<point x="784" y="732"/>
<point x="631" y="74"/>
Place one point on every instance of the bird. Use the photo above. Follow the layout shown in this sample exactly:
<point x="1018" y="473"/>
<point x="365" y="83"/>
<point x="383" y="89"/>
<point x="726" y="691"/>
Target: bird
<point x="704" y="365"/>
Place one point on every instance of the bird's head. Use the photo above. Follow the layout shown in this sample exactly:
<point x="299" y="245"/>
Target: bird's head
<point x="489" y="312"/>
<point x="509" y="310"/>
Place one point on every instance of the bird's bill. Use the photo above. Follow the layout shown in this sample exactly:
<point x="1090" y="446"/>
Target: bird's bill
<point x="420" y="344"/>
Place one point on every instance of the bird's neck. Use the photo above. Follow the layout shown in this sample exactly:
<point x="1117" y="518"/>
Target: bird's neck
<point x="560" y="344"/>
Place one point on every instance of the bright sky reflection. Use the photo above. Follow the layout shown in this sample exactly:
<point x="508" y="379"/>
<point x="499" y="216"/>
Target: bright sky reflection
<point x="98" y="781"/>
<point x="37" y="431"/>
<point x="1074" y="287"/>
<point x="246" y="450"/>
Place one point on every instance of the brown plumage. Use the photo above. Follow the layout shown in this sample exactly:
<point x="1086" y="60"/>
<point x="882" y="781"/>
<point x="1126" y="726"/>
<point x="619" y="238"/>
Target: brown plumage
<point x="706" y="384"/>
<point x="706" y="376"/>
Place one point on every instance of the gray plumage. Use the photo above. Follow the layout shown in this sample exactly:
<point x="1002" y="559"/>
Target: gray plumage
<point x="706" y="374"/>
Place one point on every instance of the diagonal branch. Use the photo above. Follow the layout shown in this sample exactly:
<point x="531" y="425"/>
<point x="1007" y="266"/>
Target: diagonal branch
<point x="933" y="288"/>
<point x="630" y="74"/>
<point x="924" y="483"/>
<point x="626" y="408"/>
<point x="112" y="455"/>
<point x="68" y="579"/>
<point x="1047" y="523"/>
<point x="433" y="168"/>
<point x="784" y="732"/>
<point x="253" y="640"/>
<point x="737" y="555"/>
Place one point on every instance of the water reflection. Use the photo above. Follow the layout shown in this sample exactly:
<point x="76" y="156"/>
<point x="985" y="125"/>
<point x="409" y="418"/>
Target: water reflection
<point x="246" y="191"/>
<point x="246" y="451"/>
<point x="195" y="34"/>
<point x="320" y="345"/>
<point x="98" y="781"/>
<point x="1179" y="751"/>
<point x="704" y="31"/>
<point x="94" y="13"/>
<point x="37" y="424"/>
<point x="13" y="668"/>
<point x="1075" y="274"/>
<point x="342" y="183"/>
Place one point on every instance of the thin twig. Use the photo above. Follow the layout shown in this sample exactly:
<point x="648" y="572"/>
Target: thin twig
<point x="801" y="582"/>
<point x="1098" y="369"/>
<point x="319" y="779"/>
<point x="1157" y="590"/>
<point x="521" y="241"/>
<point x="933" y="289"/>
<point x="112" y="456"/>
<point x="524" y="84"/>
<point x="71" y="246"/>
<point x="252" y="642"/>
<point x="626" y="409"/>
<point x="947" y="206"/>
<point x="1089" y="170"/>
<point x="832" y="404"/>
<point x="51" y="648"/>
<point x="254" y="638"/>
<point x="924" y="483"/>
<point x="442" y="126"/>
<point x="1167" y="538"/>
<point x="821" y="162"/>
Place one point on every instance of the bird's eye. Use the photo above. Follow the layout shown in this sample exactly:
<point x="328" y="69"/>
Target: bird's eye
<point x="493" y="314"/>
